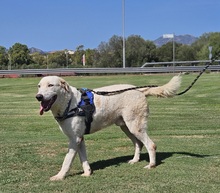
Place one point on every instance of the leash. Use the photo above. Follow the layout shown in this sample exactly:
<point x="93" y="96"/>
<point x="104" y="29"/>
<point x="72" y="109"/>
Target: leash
<point x="194" y="81"/>
<point x="200" y="74"/>
<point x="120" y="91"/>
<point x="108" y="93"/>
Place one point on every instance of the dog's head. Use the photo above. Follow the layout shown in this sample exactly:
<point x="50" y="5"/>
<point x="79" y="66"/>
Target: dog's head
<point x="50" y="88"/>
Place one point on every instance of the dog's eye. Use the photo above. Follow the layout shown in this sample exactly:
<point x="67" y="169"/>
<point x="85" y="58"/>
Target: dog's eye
<point x="38" y="86"/>
<point x="50" y="85"/>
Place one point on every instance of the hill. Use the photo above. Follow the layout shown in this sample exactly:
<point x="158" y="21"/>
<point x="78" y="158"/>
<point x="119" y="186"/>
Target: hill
<point x="34" y="50"/>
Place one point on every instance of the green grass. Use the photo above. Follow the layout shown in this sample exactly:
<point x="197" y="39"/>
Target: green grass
<point x="186" y="130"/>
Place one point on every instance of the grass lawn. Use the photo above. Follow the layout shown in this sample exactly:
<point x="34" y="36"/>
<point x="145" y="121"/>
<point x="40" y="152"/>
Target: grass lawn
<point x="186" y="130"/>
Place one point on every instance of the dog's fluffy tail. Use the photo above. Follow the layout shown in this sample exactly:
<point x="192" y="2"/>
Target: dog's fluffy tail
<point x="168" y="90"/>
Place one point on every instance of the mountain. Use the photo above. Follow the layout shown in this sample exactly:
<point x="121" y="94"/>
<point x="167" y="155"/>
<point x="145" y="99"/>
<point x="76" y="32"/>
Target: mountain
<point x="183" y="39"/>
<point x="34" y="50"/>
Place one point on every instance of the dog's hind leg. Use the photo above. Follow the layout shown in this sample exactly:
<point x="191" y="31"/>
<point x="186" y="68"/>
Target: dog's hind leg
<point x="151" y="148"/>
<point x="139" y="131"/>
<point x="83" y="158"/>
<point x="137" y="144"/>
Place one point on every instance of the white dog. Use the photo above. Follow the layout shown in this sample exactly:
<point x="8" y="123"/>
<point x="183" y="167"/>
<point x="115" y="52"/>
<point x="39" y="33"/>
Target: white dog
<point x="127" y="109"/>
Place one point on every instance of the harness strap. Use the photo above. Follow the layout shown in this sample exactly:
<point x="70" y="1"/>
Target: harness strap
<point x="85" y="108"/>
<point x="72" y="113"/>
<point x="65" y="114"/>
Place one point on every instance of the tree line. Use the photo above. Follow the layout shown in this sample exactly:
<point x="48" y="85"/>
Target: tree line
<point x="109" y="54"/>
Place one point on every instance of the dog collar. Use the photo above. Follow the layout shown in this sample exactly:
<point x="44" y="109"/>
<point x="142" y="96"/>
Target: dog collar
<point x="68" y="113"/>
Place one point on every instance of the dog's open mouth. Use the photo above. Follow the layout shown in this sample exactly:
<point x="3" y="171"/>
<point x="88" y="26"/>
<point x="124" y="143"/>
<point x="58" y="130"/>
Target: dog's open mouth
<point x="46" y="104"/>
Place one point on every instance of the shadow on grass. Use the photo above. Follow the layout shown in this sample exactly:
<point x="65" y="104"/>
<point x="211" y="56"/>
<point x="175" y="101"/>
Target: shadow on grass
<point x="161" y="157"/>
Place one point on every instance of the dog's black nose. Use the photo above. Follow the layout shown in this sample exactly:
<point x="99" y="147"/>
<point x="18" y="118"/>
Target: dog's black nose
<point x="39" y="97"/>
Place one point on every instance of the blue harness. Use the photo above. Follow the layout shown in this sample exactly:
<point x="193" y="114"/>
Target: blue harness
<point x="87" y="97"/>
<point x="85" y="108"/>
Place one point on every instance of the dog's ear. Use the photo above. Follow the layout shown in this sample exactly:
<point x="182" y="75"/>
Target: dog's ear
<point x="64" y="85"/>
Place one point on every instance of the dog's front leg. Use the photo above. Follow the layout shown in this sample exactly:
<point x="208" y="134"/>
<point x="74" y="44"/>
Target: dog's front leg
<point x="83" y="159"/>
<point x="67" y="162"/>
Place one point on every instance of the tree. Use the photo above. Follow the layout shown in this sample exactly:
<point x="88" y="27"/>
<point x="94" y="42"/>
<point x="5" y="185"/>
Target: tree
<point x="110" y="54"/>
<point x="115" y="46"/>
<point x="20" y="55"/>
<point x="150" y="51"/>
<point x="139" y="51"/>
<point x="135" y="50"/>
<point x="214" y="41"/>
<point x="103" y="55"/>
<point x="57" y="59"/>
<point x="186" y="53"/>
<point x="202" y="44"/>
<point x="3" y="58"/>
<point x="39" y="59"/>
<point x="76" y="58"/>
<point x="90" y="55"/>
<point x="165" y="52"/>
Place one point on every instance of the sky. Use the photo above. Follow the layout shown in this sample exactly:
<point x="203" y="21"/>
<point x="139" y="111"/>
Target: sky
<point x="65" y="24"/>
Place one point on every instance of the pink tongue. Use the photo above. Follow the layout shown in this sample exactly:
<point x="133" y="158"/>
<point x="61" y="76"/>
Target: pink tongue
<point x="41" y="110"/>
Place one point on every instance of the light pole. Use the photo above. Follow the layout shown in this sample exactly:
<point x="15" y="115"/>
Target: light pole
<point x="173" y="53"/>
<point x="210" y="52"/>
<point x="66" y="52"/>
<point x="47" y="61"/>
<point x="9" y="57"/>
<point x="171" y="36"/>
<point x="123" y="30"/>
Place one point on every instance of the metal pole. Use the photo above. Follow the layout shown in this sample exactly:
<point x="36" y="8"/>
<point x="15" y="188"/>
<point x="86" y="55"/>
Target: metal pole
<point x="9" y="67"/>
<point x="66" y="52"/>
<point x="210" y="53"/>
<point x="123" y="30"/>
<point x="173" y="53"/>
<point x="47" y="61"/>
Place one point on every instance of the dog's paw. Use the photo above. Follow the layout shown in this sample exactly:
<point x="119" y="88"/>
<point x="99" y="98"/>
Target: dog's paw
<point x="133" y="161"/>
<point x="56" y="178"/>
<point x="86" y="174"/>
<point x="150" y="166"/>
